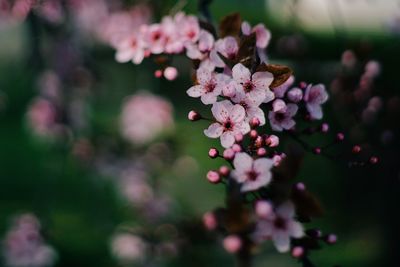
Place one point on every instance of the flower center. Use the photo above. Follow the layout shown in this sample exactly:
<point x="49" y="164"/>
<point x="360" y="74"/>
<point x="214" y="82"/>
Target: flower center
<point x="191" y="34"/>
<point x="248" y="86"/>
<point x="156" y="36"/>
<point x="279" y="116"/>
<point x="280" y="223"/>
<point x="252" y="175"/>
<point x="228" y="125"/>
<point x="210" y="87"/>
<point x="134" y="43"/>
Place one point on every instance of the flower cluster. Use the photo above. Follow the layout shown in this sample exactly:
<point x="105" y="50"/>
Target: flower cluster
<point x="24" y="245"/>
<point x="234" y="77"/>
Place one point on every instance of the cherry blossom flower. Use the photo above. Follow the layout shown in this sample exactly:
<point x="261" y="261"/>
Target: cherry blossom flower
<point x="131" y="48"/>
<point x="255" y="86"/>
<point x="42" y="116"/>
<point x="252" y="174"/>
<point x="315" y="96"/>
<point x="263" y="35"/>
<point x="155" y="38"/>
<point x="230" y="120"/>
<point x="201" y="49"/>
<point x="251" y="107"/>
<point x="145" y="116"/>
<point x="227" y="47"/>
<point x="128" y="247"/>
<point x="24" y="245"/>
<point x="283" y="120"/>
<point x="210" y="86"/>
<point x="280" y="227"/>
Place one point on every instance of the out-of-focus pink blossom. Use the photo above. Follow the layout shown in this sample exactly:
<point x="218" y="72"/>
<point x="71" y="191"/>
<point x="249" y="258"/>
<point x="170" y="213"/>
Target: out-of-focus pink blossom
<point x="129" y="248"/>
<point x="145" y="116"/>
<point x="315" y="96"/>
<point x="280" y="227"/>
<point x="252" y="174"/>
<point x="283" y="120"/>
<point x="42" y="117"/>
<point x="24" y="245"/>
<point x="232" y="243"/>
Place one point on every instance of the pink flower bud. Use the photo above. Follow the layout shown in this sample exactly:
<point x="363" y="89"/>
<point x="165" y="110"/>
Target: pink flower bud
<point x="236" y="148"/>
<point x="279" y="106"/>
<point x="331" y="239"/>
<point x="261" y="152"/>
<point x="300" y="186"/>
<point x="253" y="134"/>
<point x="303" y="85"/>
<point x="238" y="138"/>
<point x="317" y="150"/>
<point x="263" y="209"/>
<point x="372" y="69"/>
<point x="373" y="160"/>
<point x="295" y="95"/>
<point x="325" y="127"/>
<point x="170" y="73"/>
<point x="356" y="149"/>
<point x="340" y="137"/>
<point x="259" y="141"/>
<point x="254" y="122"/>
<point x="232" y="243"/>
<point x="194" y="116"/>
<point x="272" y="141"/>
<point x="213" y="153"/>
<point x="213" y="177"/>
<point x="298" y="252"/>
<point x="158" y="73"/>
<point x="209" y="221"/>
<point x="224" y="171"/>
<point x="229" y="154"/>
<point x="277" y="160"/>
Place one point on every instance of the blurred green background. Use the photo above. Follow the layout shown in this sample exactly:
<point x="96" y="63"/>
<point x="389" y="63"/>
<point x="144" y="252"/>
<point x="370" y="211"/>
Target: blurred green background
<point x="80" y="209"/>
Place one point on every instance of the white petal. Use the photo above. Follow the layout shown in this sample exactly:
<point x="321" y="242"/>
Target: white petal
<point x="123" y="56"/>
<point x="237" y="114"/>
<point x="220" y="111"/>
<point x="281" y="241"/>
<point x="269" y="96"/>
<point x="315" y="111"/>
<point x="295" y="229"/>
<point x="214" y="130"/>
<point x="255" y="112"/>
<point x="196" y="91"/>
<point x="203" y="75"/>
<point x="209" y="98"/>
<point x="262" y="80"/>
<point x="286" y="210"/>
<point x="243" y="161"/>
<point x="240" y="73"/>
<point x="227" y="139"/>
<point x="263" y="165"/>
<point x="242" y="127"/>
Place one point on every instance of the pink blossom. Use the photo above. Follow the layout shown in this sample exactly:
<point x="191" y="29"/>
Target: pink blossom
<point x="251" y="106"/>
<point x="280" y="227"/>
<point x="256" y="86"/>
<point x="42" y="116"/>
<point x="201" y="49"/>
<point x="188" y="27"/>
<point x="252" y="174"/>
<point x="170" y="73"/>
<point x="132" y="48"/>
<point x="155" y="38"/>
<point x="283" y="120"/>
<point x="232" y="243"/>
<point x="128" y="247"/>
<point x="24" y="245"/>
<point x="210" y="86"/>
<point x="263" y="35"/>
<point x="209" y="221"/>
<point x="230" y="120"/>
<point x="295" y="95"/>
<point x="145" y="116"/>
<point x="314" y="97"/>
<point x="228" y="47"/>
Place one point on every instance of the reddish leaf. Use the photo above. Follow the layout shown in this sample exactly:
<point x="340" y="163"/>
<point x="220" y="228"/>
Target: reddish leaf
<point x="247" y="47"/>
<point x="281" y="73"/>
<point x="307" y="205"/>
<point x="230" y="25"/>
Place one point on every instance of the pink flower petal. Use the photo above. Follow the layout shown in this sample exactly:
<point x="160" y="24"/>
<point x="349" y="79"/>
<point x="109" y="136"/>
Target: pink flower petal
<point x="243" y="161"/>
<point x="214" y="130"/>
<point x="227" y="139"/>
<point x="240" y="73"/>
<point x="262" y="80"/>
<point x="195" y="91"/>
<point x="220" y="110"/>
